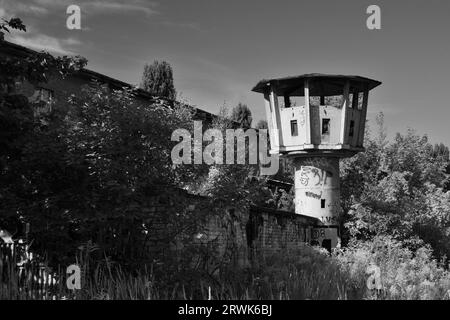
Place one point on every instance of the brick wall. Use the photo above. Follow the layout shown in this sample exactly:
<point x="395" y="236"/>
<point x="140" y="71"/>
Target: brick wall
<point x="271" y="230"/>
<point x="237" y="235"/>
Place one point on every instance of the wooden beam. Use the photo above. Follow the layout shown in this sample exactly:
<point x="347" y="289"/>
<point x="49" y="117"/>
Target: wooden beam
<point x="356" y="117"/>
<point x="307" y="114"/>
<point x="269" y="116"/>
<point x="355" y="100"/>
<point x="278" y="138"/>
<point x="344" y="114"/>
<point x="363" y="115"/>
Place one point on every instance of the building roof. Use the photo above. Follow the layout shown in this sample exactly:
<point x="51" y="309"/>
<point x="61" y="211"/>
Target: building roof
<point x="319" y="84"/>
<point x="21" y="51"/>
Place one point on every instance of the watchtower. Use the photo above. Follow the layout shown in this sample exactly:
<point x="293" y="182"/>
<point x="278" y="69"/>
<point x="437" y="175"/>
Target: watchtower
<point x="315" y="119"/>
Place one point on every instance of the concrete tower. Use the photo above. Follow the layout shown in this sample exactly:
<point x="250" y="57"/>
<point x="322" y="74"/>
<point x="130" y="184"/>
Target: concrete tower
<point x="316" y="119"/>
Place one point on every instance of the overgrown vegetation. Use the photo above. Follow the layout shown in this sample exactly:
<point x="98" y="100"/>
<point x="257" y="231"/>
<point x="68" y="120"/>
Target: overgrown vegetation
<point x="399" y="189"/>
<point x="83" y="175"/>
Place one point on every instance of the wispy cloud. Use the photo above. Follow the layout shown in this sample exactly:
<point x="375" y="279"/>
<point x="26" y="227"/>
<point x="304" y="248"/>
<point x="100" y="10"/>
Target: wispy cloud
<point x="146" y="7"/>
<point x="41" y="42"/>
<point x="43" y="7"/>
<point x="185" y="25"/>
<point x="14" y="8"/>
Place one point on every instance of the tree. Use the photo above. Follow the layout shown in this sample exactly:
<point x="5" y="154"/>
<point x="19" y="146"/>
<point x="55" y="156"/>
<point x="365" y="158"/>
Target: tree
<point x="441" y="150"/>
<point x="262" y="124"/>
<point x="33" y="167"/>
<point x="90" y="166"/>
<point x="397" y="189"/>
<point x="90" y="173"/>
<point x="242" y="115"/>
<point x="13" y="23"/>
<point x="157" y="79"/>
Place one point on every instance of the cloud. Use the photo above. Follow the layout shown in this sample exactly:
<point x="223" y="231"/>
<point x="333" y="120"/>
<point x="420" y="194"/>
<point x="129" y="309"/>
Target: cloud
<point x="43" y="42"/>
<point x="43" y="7"/>
<point x="14" y="8"/>
<point x="38" y="10"/>
<point x="146" y="7"/>
<point x="183" y="25"/>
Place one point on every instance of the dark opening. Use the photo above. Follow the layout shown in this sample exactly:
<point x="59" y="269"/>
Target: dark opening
<point x="326" y="243"/>
<point x="352" y="128"/>
<point x="287" y="102"/>
<point x="322" y="203"/>
<point x="325" y="126"/>
<point x="315" y="243"/>
<point x="294" y="128"/>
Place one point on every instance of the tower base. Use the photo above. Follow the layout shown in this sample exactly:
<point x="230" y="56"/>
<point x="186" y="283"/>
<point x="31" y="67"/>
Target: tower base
<point x="317" y="188"/>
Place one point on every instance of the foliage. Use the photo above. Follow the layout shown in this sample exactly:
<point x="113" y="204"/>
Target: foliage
<point x="87" y="171"/>
<point x="398" y="189"/>
<point x="238" y="184"/>
<point x="157" y="79"/>
<point x="13" y="23"/>
<point x="262" y="124"/>
<point x="304" y="273"/>
<point x="19" y="128"/>
<point x="404" y="273"/>
<point x="88" y="174"/>
<point x="242" y="115"/>
<point x="84" y="178"/>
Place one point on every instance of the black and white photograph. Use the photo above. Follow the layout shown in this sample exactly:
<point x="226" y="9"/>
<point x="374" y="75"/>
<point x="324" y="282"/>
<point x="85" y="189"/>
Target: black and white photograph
<point x="251" y="152"/>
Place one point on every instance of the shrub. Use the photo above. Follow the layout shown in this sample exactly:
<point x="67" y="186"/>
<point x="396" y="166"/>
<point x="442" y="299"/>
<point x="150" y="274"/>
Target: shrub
<point x="405" y="274"/>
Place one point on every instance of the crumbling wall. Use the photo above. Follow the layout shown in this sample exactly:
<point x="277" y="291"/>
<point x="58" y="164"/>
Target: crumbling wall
<point x="269" y="230"/>
<point x="237" y="235"/>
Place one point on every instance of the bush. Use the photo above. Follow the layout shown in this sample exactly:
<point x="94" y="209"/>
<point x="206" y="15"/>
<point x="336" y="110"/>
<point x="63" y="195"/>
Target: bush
<point x="405" y="274"/>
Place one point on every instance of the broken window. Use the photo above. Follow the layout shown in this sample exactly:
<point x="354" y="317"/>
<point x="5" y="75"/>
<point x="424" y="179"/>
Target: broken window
<point x="42" y="95"/>
<point x="325" y="126"/>
<point x="43" y="99"/>
<point x="335" y="101"/>
<point x="360" y="100"/>
<point x="294" y="128"/>
<point x="322" y="203"/>
<point x="352" y="128"/>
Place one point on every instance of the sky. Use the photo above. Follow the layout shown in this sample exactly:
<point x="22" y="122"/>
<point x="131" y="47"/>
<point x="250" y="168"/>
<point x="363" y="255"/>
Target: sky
<point x="220" y="49"/>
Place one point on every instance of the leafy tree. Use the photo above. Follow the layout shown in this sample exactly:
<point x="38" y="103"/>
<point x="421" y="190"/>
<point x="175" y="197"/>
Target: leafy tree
<point x="396" y="189"/>
<point x="157" y="79"/>
<point x="238" y="183"/>
<point x="242" y="115"/>
<point x="86" y="174"/>
<point x="262" y="124"/>
<point x="29" y="150"/>
<point x="13" y="23"/>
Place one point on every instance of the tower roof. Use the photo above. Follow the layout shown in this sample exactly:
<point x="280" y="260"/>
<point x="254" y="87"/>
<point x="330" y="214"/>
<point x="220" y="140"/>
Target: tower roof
<point x="320" y="84"/>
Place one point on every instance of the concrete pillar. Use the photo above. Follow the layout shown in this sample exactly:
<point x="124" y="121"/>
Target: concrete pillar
<point x="317" y="188"/>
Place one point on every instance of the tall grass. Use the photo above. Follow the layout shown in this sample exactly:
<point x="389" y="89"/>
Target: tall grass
<point x="405" y="274"/>
<point x="304" y="273"/>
